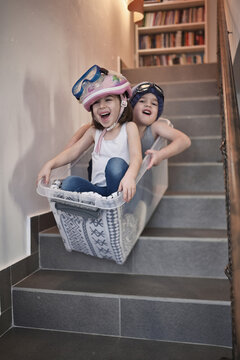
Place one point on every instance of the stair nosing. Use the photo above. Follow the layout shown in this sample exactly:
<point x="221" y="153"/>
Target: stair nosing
<point x="122" y="296"/>
<point x="195" y="164"/>
<point x="212" y="116"/>
<point x="164" y="287"/>
<point x="193" y="98"/>
<point x="210" y="80"/>
<point x="184" y="238"/>
<point x="206" y="137"/>
<point x="193" y="195"/>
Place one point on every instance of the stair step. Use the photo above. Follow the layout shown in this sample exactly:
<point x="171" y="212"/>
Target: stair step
<point x="188" y="89"/>
<point x="165" y="252"/>
<point x="197" y="125"/>
<point x="196" y="177"/>
<point x="190" y="210"/>
<point x="181" y="252"/>
<point x="191" y="106"/>
<point x="33" y="344"/>
<point x="202" y="149"/>
<point x="171" y="73"/>
<point x="194" y="310"/>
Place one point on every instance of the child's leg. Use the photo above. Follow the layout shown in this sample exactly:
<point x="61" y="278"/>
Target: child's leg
<point x="78" y="184"/>
<point x="114" y="172"/>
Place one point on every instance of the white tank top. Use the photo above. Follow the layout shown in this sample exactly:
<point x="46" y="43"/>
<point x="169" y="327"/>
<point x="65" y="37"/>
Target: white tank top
<point x="117" y="147"/>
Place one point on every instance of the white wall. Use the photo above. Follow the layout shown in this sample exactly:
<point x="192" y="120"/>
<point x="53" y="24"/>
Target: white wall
<point x="232" y="8"/>
<point x="45" y="46"/>
<point x="211" y="31"/>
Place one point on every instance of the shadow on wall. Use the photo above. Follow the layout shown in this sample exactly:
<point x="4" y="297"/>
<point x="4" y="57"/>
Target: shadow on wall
<point x="50" y="131"/>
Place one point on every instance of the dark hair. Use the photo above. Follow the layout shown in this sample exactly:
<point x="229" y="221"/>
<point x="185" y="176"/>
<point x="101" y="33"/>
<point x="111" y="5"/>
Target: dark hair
<point x="127" y="116"/>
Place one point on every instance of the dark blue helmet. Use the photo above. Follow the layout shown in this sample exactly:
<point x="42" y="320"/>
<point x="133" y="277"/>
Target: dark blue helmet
<point x="144" y="88"/>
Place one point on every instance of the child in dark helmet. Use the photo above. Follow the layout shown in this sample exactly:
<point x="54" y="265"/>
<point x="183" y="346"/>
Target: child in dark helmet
<point x="147" y="102"/>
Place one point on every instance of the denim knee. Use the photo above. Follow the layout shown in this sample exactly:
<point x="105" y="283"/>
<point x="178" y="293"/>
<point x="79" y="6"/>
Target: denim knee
<point x="69" y="183"/>
<point x="116" y="168"/>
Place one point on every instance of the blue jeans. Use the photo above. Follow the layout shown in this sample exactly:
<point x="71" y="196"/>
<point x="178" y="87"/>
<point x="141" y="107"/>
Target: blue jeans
<point x="114" y="172"/>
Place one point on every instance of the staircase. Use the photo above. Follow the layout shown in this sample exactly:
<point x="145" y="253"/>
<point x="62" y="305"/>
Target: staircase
<point x="170" y="300"/>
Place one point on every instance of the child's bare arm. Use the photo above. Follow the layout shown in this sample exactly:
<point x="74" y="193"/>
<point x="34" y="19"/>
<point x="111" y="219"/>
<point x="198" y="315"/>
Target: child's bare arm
<point x="128" y="182"/>
<point x="66" y="156"/>
<point x="178" y="142"/>
<point x="78" y="134"/>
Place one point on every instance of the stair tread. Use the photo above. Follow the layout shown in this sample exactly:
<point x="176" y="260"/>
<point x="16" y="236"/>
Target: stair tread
<point x="206" y="194"/>
<point x="198" y="98"/>
<point x="185" y="233"/>
<point x="166" y="232"/>
<point x="125" y="285"/>
<point x="29" y="344"/>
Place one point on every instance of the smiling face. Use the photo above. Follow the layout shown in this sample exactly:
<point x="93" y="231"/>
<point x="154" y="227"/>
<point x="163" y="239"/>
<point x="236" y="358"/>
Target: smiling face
<point x="106" y="110"/>
<point x="146" y="109"/>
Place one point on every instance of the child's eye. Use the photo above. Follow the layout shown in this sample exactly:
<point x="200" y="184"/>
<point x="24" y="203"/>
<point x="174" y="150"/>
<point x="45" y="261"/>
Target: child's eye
<point x="154" y="104"/>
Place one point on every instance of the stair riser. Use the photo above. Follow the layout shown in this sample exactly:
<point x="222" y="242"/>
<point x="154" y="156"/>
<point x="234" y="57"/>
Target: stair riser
<point x="177" y="321"/>
<point x="171" y="73"/>
<point x="201" y="150"/>
<point x="66" y="311"/>
<point x="181" y="257"/>
<point x="190" y="213"/>
<point x="149" y="257"/>
<point x="158" y="319"/>
<point x="200" y="178"/>
<point x="190" y="89"/>
<point x="198" y="126"/>
<point x="190" y="106"/>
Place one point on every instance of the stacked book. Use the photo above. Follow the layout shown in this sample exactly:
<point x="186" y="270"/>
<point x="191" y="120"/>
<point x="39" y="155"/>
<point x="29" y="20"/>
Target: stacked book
<point x="171" y="39"/>
<point x="171" y="17"/>
<point x="171" y="59"/>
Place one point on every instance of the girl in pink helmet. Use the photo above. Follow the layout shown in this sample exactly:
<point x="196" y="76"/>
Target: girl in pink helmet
<point x="116" y="158"/>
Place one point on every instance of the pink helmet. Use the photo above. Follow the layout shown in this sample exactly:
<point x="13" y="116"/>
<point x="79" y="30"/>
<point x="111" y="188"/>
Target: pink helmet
<point x="97" y="83"/>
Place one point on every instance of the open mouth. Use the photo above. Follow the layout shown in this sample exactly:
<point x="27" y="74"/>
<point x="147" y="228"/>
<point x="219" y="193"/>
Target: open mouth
<point x="105" y="115"/>
<point x="147" y="112"/>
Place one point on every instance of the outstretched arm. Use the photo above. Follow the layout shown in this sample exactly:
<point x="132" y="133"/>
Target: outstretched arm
<point x="66" y="156"/>
<point x="178" y="142"/>
<point x="77" y="136"/>
<point x="128" y="182"/>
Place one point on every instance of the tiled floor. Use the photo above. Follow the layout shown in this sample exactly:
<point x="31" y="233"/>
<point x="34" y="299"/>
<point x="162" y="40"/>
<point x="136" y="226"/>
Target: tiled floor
<point x="30" y="344"/>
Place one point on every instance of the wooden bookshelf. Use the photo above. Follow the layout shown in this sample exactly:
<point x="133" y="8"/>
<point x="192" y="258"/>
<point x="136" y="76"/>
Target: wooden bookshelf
<point x="172" y="32"/>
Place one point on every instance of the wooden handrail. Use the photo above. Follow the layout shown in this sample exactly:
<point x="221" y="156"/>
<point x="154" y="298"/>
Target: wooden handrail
<point x="231" y="144"/>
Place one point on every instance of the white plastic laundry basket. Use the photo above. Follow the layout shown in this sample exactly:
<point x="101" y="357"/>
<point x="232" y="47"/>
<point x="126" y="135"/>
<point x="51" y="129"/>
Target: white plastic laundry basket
<point x="106" y="227"/>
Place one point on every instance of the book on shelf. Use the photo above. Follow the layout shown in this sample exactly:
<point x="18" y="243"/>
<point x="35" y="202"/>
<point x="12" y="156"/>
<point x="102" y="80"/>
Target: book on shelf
<point x="171" y="59"/>
<point x="171" y="17"/>
<point x="171" y="39"/>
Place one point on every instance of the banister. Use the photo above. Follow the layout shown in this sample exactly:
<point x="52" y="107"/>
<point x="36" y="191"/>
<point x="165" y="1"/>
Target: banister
<point x="231" y="155"/>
